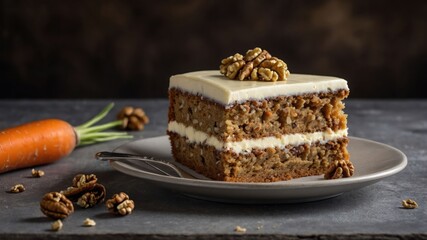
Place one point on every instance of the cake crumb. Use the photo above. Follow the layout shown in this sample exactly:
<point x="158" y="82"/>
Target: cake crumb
<point x="240" y="229"/>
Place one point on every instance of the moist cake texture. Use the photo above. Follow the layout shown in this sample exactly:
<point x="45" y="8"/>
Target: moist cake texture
<point x="254" y="131"/>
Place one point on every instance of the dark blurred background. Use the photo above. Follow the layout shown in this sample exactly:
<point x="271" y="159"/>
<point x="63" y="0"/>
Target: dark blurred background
<point x="129" y="49"/>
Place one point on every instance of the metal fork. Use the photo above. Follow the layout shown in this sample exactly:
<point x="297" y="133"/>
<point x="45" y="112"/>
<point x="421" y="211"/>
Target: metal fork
<point x="157" y="165"/>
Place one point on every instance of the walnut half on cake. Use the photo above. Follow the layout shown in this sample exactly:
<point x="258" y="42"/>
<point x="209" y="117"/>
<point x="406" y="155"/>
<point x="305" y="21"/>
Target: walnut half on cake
<point x="257" y="131"/>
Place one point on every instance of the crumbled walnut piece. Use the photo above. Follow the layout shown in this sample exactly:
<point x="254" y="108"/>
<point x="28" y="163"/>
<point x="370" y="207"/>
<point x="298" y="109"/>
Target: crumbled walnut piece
<point x="257" y="64"/>
<point x="57" y="225"/>
<point x="92" y="197"/>
<point x="409" y="204"/>
<point x="339" y="169"/>
<point x="240" y="229"/>
<point x="18" y="188"/>
<point x="126" y="207"/>
<point x="37" y="173"/>
<point x="89" y="222"/>
<point x="81" y="180"/>
<point x="81" y="183"/>
<point x="133" y="118"/>
<point x="120" y="204"/>
<point x="85" y="191"/>
<point x="56" y="205"/>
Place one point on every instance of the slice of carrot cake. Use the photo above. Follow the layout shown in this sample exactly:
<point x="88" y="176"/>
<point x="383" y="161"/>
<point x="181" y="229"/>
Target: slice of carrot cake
<point x="258" y="131"/>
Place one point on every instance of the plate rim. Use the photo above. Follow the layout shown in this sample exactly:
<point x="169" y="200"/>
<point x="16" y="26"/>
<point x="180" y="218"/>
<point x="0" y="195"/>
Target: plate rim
<point x="273" y="185"/>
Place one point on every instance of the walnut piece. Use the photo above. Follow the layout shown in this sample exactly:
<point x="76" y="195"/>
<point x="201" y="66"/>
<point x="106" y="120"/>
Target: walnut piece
<point x="339" y="169"/>
<point x="92" y="197"/>
<point x="89" y="222"/>
<point x="409" y="204"/>
<point x="82" y="180"/>
<point x="57" y="225"/>
<point x="81" y="184"/>
<point x="133" y="118"/>
<point x="18" y="188"/>
<point x="56" y="205"/>
<point x="273" y="69"/>
<point x="230" y="66"/>
<point x="120" y="204"/>
<point x="257" y="64"/>
<point x="240" y="229"/>
<point x="37" y="173"/>
<point x="85" y="191"/>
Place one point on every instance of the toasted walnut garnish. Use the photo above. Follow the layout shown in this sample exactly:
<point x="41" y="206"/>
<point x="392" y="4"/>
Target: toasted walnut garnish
<point x="57" y="225"/>
<point x="18" y="188"/>
<point x="56" y="205"/>
<point x="133" y="118"/>
<point x="257" y="64"/>
<point x="120" y="204"/>
<point x="37" y="173"/>
<point x="85" y="191"/>
<point x="231" y="66"/>
<point x="409" y="204"/>
<point x="339" y="169"/>
<point x="89" y="222"/>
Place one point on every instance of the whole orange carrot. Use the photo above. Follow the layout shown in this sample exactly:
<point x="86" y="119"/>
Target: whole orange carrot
<point x="45" y="141"/>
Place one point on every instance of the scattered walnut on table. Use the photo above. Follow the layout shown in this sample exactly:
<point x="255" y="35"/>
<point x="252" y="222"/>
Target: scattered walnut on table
<point x="89" y="222"/>
<point x="339" y="169"/>
<point x="81" y="184"/>
<point x="82" y="180"/>
<point x="120" y="204"/>
<point x="56" y="205"/>
<point x="37" y="173"/>
<point x="18" y="188"/>
<point x="257" y="64"/>
<point x="409" y="204"/>
<point x="85" y="191"/>
<point x="92" y="197"/>
<point x="133" y="118"/>
<point x="57" y="225"/>
<point x="240" y="229"/>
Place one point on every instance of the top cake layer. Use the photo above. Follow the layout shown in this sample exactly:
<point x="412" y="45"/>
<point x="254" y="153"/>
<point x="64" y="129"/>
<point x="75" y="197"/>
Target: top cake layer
<point x="215" y="86"/>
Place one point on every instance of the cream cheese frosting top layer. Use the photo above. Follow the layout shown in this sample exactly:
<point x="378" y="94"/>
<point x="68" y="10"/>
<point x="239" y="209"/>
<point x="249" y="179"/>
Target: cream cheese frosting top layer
<point x="212" y="84"/>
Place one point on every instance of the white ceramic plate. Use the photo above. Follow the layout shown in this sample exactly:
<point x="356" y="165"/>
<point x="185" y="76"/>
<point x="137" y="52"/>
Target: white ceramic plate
<point x="373" y="161"/>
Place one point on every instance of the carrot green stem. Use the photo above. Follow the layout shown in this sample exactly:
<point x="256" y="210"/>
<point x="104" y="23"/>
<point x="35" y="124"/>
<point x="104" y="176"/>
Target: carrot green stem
<point x="102" y="139"/>
<point x="89" y="134"/>
<point x="100" y="128"/>
<point x="97" y="118"/>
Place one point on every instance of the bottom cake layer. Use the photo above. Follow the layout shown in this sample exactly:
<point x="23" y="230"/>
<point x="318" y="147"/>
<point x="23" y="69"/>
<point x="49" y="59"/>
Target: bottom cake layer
<point x="259" y="165"/>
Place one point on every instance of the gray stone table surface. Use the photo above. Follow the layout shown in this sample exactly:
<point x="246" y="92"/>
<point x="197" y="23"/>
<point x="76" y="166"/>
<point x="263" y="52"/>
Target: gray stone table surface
<point x="373" y="211"/>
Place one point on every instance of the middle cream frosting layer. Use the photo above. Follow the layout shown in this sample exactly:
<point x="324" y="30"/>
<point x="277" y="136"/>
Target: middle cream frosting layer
<point x="244" y="146"/>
